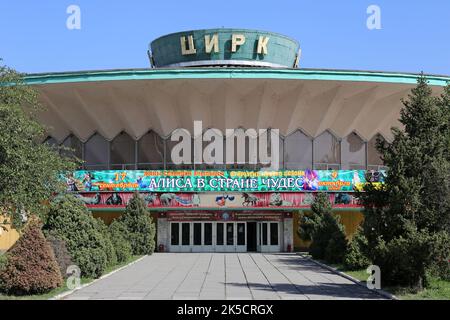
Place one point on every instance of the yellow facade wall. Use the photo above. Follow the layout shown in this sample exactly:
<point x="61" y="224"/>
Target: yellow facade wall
<point x="107" y="217"/>
<point x="350" y="219"/>
<point x="8" y="236"/>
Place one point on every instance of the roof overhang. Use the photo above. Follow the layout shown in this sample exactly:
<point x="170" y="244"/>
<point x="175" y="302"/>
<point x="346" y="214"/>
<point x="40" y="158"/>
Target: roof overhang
<point x="162" y="100"/>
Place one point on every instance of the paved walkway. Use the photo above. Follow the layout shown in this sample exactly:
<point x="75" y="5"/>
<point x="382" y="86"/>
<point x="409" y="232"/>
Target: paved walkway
<point x="224" y="276"/>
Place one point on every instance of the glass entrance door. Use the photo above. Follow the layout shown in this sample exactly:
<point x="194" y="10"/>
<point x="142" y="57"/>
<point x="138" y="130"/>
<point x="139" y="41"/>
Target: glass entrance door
<point x="269" y="236"/>
<point x="208" y="236"/>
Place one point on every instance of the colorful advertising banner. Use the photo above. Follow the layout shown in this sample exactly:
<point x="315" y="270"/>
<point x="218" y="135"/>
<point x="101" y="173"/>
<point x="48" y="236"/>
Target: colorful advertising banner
<point x="219" y="181"/>
<point x="215" y="200"/>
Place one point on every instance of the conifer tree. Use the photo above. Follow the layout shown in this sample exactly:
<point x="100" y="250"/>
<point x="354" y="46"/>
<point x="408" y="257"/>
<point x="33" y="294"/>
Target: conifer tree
<point x="31" y="267"/>
<point x="140" y="227"/>
<point x="408" y="216"/>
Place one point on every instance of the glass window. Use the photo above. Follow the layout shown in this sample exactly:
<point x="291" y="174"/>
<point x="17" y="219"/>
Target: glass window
<point x="96" y="153"/>
<point x="298" y="151"/>
<point x="208" y="233"/>
<point x="241" y="234"/>
<point x="353" y="153"/>
<point x="175" y="234"/>
<point x="242" y="143"/>
<point x="264" y="233"/>
<point x="185" y="234"/>
<point x="51" y="142"/>
<point x="274" y="233"/>
<point x="219" y="235"/>
<point x="169" y="145"/>
<point x="122" y="152"/>
<point x="269" y="150"/>
<point x="197" y="234"/>
<point x="151" y="152"/>
<point x="374" y="160"/>
<point x="327" y="152"/>
<point x="75" y="145"/>
<point x="230" y="234"/>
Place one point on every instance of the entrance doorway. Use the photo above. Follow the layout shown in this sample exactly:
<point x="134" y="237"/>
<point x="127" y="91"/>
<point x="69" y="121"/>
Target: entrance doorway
<point x="230" y="236"/>
<point x="252" y="237"/>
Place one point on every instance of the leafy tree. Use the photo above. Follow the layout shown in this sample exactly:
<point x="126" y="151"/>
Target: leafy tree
<point x="140" y="227"/>
<point x="28" y="169"/>
<point x="325" y="231"/>
<point x="122" y="246"/>
<point x="31" y="267"/>
<point x="410" y="212"/>
<point x="71" y="221"/>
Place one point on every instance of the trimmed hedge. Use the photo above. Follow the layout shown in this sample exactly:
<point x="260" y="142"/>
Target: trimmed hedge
<point x="140" y="227"/>
<point x="118" y="232"/>
<point x="62" y="255"/>
<point x="109" y="247"/>
<point x="71" y="221"/>
<point x="31" y="267"/>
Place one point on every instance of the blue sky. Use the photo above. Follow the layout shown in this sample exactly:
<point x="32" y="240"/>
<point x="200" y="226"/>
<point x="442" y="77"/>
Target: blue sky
<point x="332" y="34"/>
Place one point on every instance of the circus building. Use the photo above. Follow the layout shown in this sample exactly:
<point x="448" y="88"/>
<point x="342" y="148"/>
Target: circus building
<point x="123" y="125"/>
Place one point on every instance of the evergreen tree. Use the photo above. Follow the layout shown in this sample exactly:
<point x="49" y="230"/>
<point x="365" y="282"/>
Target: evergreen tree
<point x="31" y="267"/>
<point x="324" y="230"/>
<point x="411" y="209"/>
<point x="141" y="230"/>
<point x="70" y="220"/>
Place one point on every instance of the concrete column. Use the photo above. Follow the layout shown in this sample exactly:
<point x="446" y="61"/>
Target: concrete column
<point x="288" y="233"/>
<point x="162" y="236"/>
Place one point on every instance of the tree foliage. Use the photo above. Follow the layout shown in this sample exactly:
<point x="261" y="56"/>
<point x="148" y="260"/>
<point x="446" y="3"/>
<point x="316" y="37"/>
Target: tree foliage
<point x="72" y="222"/>
<point x="31" y="267"/>
<point x="28" y="169"/>
<point x="119" y="238"/>
<point x="139" y="225"/>
<point x="324" y="230"/>
<point x="409" y="214"/>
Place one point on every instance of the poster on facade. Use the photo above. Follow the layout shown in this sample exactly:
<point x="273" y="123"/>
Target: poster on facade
<point x="215" y="200"/>
<point x="214" y="181"/>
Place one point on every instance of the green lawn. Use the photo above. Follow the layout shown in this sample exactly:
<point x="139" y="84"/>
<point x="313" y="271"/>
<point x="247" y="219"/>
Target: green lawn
<point x="437" y="290"/>
<point x="64" y="288"/>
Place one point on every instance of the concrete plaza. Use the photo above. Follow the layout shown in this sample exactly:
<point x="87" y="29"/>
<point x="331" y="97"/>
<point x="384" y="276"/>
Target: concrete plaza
<point x="224" y="276"/>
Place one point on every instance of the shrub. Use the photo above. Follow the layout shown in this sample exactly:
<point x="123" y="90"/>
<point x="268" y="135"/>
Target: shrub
<point x="140" y="227"/>
<point x="62" y="255"/>
<point x="31" y="267"/>
<point x="71" y="221"/>
<point x="118" y="232"/>
<point x="109" y="247"/>
<point x="325" y="231"/>
<point x="3" y="261"/>
<point x="405" y="260"/>
<point x="355" y="258"/>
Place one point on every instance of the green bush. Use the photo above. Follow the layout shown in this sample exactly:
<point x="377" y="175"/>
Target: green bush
<point x="62" y="255"/>
<point x="3" y="260"/>
<point x="118" y="232"/>
<point x="355" y="258"/>
<point x="109" y="247"/>
<point x="71" y="221"/>
<point x="31" y="267"/>
<point x="140" y="227"/>
<point x="406" y="260"/>
<point x="325" y="231"/>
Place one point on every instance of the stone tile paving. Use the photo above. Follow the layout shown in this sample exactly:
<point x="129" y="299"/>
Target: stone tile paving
<point x="241" y="276"/>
